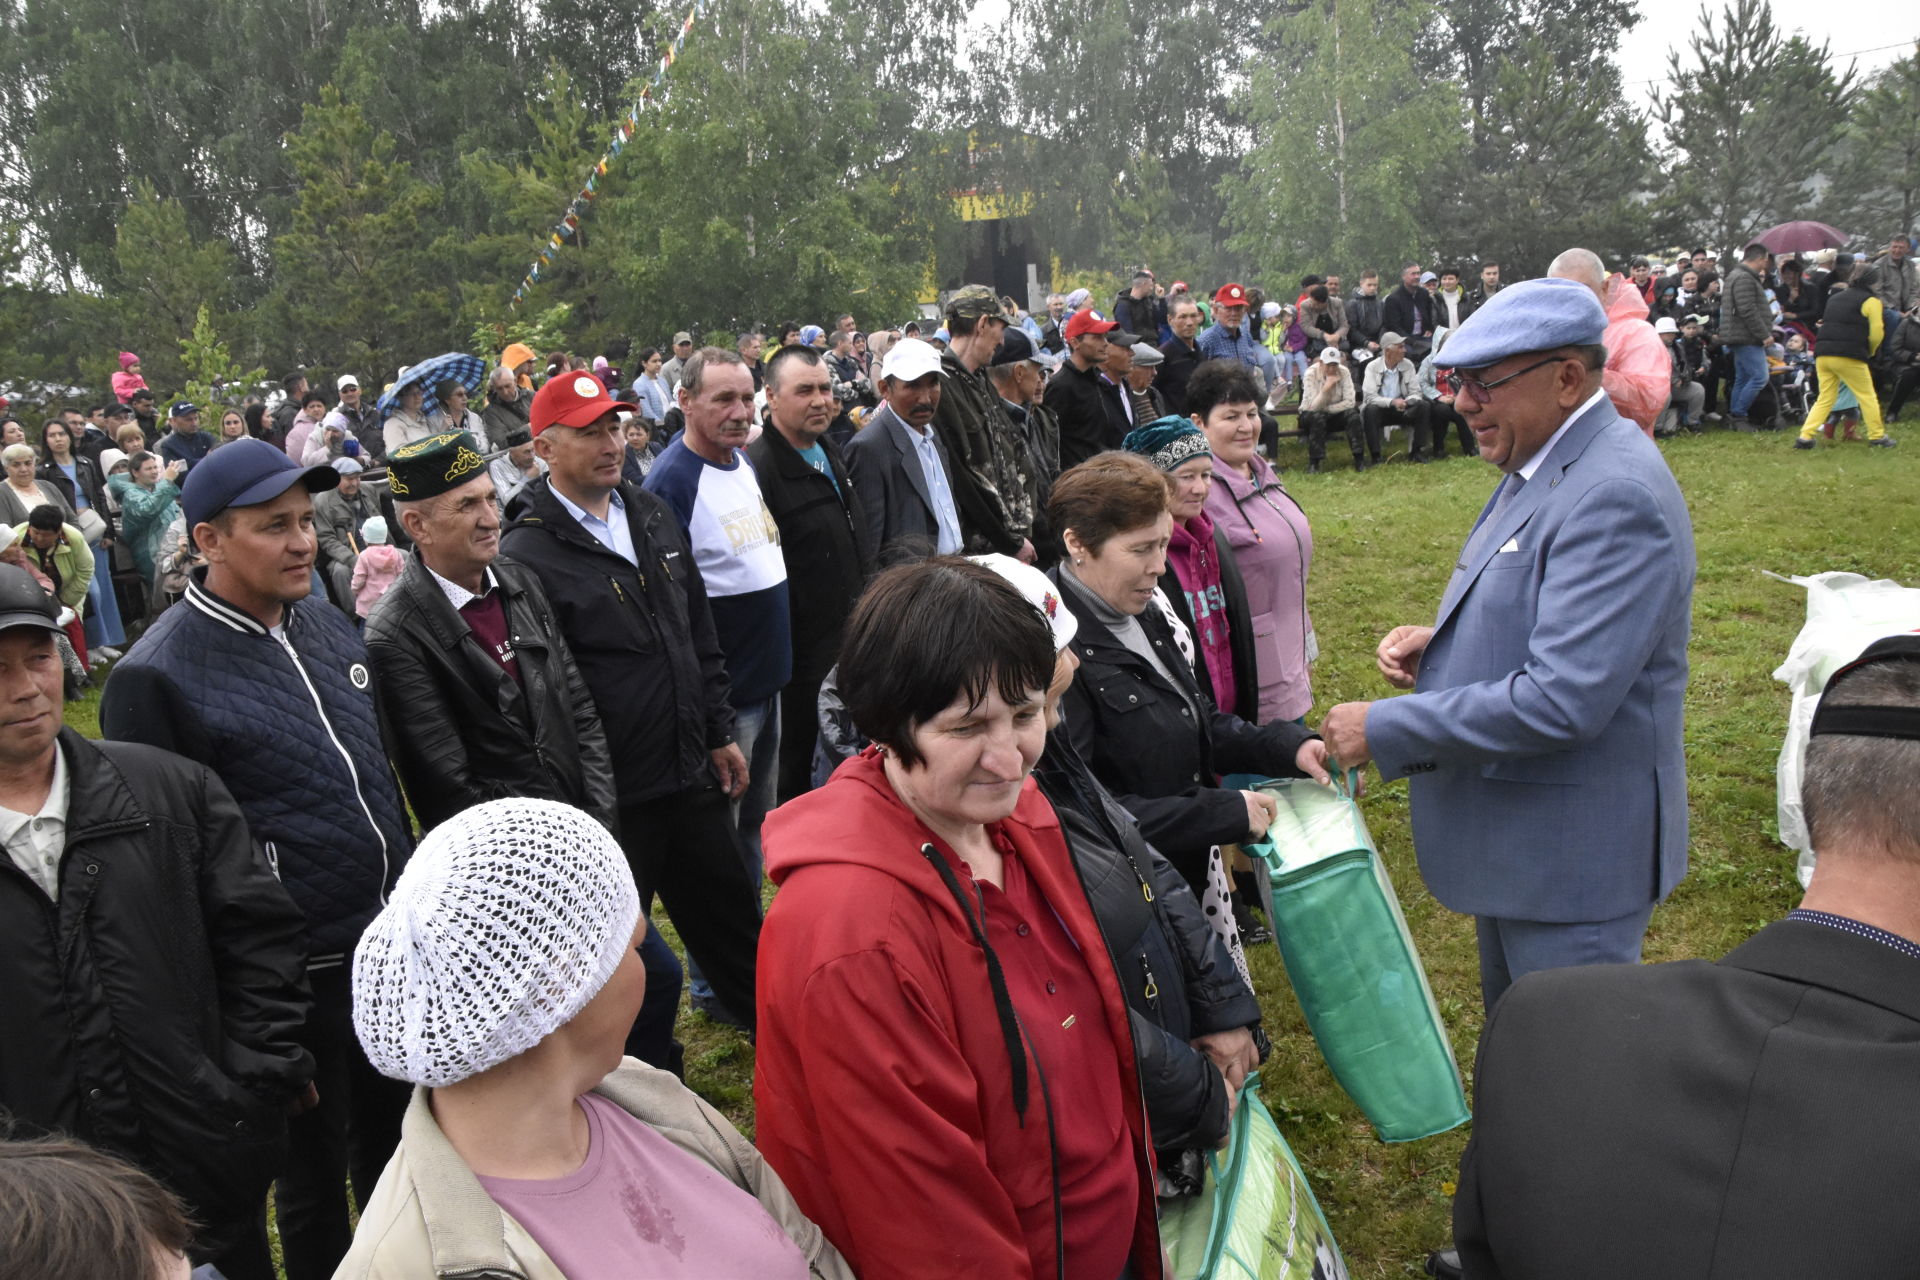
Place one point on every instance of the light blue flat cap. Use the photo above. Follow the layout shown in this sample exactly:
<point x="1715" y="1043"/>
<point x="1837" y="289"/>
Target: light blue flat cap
<point x="1534" y="315"/>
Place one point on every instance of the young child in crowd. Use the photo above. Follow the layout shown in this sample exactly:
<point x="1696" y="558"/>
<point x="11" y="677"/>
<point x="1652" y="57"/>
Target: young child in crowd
<point x="129" y="379"/>
<point x="377" y="568"/>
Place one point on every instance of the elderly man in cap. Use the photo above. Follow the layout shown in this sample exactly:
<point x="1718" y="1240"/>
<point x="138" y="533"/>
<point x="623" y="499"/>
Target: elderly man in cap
<point x="1543" y="738"/>
<point x="338" y="514"/>
<point x="1147" y="405"/>
<point x="1390" y="396"/>
<point x="135" y="911"/>
<point x="992" y="472"/>
<point x="902" y="470"/>
<point x="1751" y="1117"/>
<point x="682" y="349"/>
<point x="631" y="601"/>
<point x="1019" y="371"/>
<point x="184" y="442"/>
<point x="1231" y="337"/>
<point x="362" y="418"/>
<point x="270" y="689"/>
<point x="1327" y="403"/>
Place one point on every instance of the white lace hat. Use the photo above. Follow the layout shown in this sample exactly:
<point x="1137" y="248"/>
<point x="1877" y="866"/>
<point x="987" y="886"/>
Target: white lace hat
<point x="509" y="918"/>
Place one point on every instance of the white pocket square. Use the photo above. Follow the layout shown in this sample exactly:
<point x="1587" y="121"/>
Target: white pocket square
<point x="1513" y="544"/>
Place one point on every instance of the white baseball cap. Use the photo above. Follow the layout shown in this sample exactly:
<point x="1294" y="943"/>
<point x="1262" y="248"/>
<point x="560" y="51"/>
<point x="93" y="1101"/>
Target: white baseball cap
<point x="1665" y="324"/>
<point x="1330" y="355"/>
<point x="347" y="380"/>
<point x="910" y="360"/>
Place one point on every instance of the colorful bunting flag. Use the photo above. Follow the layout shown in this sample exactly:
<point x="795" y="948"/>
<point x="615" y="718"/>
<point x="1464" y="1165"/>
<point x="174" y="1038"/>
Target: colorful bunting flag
<point x="570" y="224"/>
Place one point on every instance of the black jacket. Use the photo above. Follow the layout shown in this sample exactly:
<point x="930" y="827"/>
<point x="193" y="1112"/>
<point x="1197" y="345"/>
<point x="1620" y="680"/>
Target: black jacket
<point x="1090" y="416"/>
<point x="1397" y="313"/>
<point x="642" y="637"/>
<point x="1178" y="978"/>
<point x="1141" y="738"/>
<point x="1751" y="1117"/>
<point x="1246" y="672"/>
<point x="827" y="540"/>
<point x="152" y="1009"/>
<point x="460" y="729"/>
<point x="1365" y="320"/>
<point x="1182" y="358"/>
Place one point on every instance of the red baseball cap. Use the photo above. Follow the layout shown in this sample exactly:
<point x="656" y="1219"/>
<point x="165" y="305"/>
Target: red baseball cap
<point x="572" y="400"/>
<point x="1084" y="321"/>
<point x="1230" y="295"/>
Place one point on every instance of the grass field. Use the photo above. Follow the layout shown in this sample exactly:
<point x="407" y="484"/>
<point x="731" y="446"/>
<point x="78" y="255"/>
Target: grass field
<point x="1385" y="542"/>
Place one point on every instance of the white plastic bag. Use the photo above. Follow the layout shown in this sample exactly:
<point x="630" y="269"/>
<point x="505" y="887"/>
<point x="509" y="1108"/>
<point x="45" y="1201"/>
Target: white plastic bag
<point x="1845" y="614"/>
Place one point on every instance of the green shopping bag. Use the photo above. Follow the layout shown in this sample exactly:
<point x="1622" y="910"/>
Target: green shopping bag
<point x="1353" y="965"/>
<point x="1256" y="1218"/>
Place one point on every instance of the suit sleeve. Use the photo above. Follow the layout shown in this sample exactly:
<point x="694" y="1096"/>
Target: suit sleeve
<point x="259" y="944"/>
<point x="891" y="1190"/>
<point x="870" y="482"/>
<point x="1609" y="580"/>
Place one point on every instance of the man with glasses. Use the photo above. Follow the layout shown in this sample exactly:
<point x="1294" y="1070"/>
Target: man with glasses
<point x="1543" y="738"/>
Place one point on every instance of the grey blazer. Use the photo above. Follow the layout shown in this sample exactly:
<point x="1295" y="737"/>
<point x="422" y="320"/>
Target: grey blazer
<point x="1544" y="737"/>
<point x="886" y="470"/>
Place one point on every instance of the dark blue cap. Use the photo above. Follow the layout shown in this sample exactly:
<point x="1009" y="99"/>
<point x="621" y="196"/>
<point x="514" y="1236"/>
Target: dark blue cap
<point x="182" y="408"/>
<point x="245" y="473"/>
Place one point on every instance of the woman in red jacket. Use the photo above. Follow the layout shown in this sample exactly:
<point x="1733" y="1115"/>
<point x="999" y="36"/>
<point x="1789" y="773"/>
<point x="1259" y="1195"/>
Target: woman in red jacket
<point x="945" y="1075"/>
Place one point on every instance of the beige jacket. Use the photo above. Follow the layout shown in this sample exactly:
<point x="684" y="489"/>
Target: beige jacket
<point x="429" y="1217"/>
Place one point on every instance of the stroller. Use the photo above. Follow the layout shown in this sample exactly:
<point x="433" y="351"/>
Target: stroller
<point x="1790" y="375"/>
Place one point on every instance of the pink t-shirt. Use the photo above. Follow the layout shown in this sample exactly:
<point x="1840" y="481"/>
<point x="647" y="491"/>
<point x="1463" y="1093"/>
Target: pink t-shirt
<point x="642" y="1206"/>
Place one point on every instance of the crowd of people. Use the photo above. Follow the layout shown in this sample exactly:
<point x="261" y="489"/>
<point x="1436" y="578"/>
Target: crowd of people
<point x="951" y="631"/>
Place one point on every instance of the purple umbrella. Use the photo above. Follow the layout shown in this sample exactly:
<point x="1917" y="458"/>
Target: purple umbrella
<point x="1801" y="237"/>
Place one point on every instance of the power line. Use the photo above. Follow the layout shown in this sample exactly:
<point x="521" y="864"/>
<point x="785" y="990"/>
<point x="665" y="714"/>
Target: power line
<point x="1855" y="53"/>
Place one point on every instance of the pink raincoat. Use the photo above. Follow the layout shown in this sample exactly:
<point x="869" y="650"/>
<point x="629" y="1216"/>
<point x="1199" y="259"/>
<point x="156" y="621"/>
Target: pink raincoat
<point x="1639" y="371"/>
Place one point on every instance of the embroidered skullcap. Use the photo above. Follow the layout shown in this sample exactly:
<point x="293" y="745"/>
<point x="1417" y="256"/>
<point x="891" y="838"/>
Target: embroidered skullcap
<point x="510" y="917"/>
<point x="1167" y="442"/>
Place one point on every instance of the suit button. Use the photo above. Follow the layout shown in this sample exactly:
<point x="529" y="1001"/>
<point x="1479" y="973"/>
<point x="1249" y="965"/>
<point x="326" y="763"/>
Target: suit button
<point x="1185" y="712"/>
<point x="1196" y="777"/>
<point x="93" y="868"/>
<point x="93" y="1095"/>
<point x="1051" y="989"/>
<point x="1023" y="930"/>
<point x="1133" y="697"/>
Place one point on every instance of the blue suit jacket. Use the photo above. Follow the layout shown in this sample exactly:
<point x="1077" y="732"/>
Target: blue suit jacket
<point x="1543" y="738"/>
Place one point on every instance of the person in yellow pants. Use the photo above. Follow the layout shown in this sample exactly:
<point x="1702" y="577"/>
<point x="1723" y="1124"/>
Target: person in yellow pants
<point x="1850" y="332"/>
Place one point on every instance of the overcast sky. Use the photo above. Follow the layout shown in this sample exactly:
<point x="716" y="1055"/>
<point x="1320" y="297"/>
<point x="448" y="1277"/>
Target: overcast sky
<point x="1847" y="26"/>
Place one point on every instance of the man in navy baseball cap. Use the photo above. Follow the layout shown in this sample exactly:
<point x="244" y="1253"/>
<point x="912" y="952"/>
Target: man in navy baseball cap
<point x="245" y="474"/>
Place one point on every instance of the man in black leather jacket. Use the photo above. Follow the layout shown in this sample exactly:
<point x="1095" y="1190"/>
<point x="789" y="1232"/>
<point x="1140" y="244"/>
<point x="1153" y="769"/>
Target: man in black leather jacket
<point x="480" y="697"/>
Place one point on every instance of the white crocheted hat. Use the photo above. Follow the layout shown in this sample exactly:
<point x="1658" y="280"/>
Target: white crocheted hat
<point x="509" y="918"/>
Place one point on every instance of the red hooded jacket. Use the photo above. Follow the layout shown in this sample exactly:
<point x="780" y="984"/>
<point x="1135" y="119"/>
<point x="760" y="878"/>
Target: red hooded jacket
<point x="883" y="1089"/>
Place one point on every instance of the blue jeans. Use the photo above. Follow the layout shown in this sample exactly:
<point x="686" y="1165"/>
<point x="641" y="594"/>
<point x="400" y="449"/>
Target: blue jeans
<point x="756" y="729"/>
<point x="1749" y="376"/>
<point x="1511" y="949"/>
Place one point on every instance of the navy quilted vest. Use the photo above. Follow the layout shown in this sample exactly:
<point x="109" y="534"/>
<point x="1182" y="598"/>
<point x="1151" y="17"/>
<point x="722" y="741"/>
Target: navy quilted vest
<point x="295" y="738"/>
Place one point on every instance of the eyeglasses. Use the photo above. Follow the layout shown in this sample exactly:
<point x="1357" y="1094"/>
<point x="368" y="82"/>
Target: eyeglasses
<point x="1483" y="391"/>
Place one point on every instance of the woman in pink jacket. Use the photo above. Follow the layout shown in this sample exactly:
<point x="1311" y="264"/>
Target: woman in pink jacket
<point x="1268" y="530"/>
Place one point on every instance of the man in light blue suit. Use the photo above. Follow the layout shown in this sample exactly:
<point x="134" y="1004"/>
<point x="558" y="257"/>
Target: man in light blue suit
<point x="1543" y="739"/>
